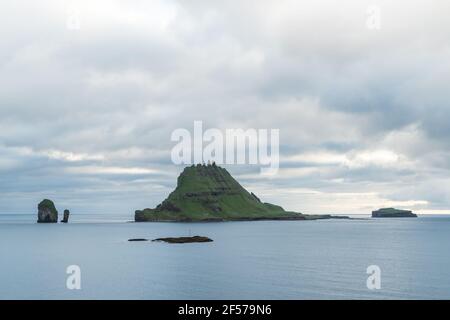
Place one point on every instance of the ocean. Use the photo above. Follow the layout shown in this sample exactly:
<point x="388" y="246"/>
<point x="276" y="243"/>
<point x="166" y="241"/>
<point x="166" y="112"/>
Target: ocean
<point x="325" y="259"/>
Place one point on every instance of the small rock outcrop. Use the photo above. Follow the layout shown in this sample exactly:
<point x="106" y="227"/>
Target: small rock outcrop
<point x="184" y="239"/>
<point x="393" y="213"/>
<point x="47" y="212"/>
<point x="66" y="216"/>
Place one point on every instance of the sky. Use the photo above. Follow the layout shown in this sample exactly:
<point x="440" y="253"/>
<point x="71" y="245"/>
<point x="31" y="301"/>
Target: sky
<point x="90" y="92"/>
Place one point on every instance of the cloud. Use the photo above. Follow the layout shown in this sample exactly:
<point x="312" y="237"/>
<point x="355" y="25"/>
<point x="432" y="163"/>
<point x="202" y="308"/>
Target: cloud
<point x="111" y="170"/>
<point x="86" y="114"/>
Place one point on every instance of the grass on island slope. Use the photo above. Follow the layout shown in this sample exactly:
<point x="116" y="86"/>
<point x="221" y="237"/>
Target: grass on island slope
<point x="209" y="192"/>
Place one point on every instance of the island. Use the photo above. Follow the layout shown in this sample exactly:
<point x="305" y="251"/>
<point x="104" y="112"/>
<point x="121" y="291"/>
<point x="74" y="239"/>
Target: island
<point x="393" y="213"/>
<point x="208" y="193"/>
<point x="47" y="212"/>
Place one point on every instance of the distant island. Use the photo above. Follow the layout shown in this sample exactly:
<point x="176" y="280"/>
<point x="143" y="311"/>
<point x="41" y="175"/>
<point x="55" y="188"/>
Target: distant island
<point x="393" y="213"/>
<point x="210" y="193"/>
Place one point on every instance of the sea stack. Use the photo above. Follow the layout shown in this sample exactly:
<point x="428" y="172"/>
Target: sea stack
<point x="393" y="213"/>
<point x="66" y="216"/>
<point x="47" y="212"/>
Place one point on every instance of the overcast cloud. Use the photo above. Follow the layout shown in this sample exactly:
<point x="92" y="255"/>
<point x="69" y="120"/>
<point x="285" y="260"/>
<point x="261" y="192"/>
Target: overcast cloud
<point x="86" y="114"/>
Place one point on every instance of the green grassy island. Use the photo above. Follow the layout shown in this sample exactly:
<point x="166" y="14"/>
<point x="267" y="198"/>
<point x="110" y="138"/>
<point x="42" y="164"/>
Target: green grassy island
<point x="210" y="193"/>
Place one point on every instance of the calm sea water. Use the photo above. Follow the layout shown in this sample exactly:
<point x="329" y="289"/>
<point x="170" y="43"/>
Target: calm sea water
<point x="247" y="260"/>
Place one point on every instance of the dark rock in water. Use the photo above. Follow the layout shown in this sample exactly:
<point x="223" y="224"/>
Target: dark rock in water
<point x="66" y="216"/>
<point x="393" y="213"/>
<point x="185" y="239"/>
<point x="47" y="212"/>
<point x="138" y="239"/>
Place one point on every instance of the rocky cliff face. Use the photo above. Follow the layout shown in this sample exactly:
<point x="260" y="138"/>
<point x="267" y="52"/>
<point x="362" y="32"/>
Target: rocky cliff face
<point x="47" y="212"/>
<point x="210" y="193"/>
